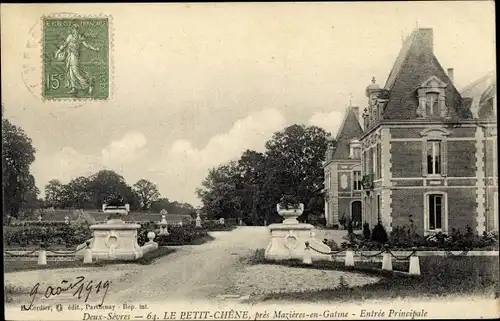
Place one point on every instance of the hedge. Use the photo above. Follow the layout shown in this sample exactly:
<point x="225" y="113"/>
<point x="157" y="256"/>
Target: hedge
<point x="70" y="235"/>
<point x="178" y="235"/>
<point x="402" y="237"/>
<point x="32" y="235"/>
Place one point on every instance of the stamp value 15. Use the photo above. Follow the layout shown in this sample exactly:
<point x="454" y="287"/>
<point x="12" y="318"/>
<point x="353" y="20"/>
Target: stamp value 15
<point x="76" y="58"/>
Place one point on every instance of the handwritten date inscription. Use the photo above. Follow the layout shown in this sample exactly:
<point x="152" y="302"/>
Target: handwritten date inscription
<point x="80" y="289"/>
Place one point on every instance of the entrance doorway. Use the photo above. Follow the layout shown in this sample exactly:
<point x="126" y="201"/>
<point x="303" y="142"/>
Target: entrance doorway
<point x="356" y="212"/>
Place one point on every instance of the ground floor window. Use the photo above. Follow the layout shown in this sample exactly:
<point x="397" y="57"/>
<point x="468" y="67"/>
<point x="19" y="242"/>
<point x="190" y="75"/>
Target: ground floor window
<point x="435" y="212"/>
<point x="357" y="180"/>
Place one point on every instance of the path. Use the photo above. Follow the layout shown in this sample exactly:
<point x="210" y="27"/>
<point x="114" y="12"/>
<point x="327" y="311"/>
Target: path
<point x="193" y="272"/>
<point x="190" y="273"/>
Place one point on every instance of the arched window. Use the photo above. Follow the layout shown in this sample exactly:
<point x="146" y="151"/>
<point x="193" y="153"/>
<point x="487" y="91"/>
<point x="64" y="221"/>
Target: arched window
<point x="355" y="150"/>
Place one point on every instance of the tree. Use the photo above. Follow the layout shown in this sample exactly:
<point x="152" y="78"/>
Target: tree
<point x="252" y="173"/>
<point x="18" y="154"/>
<point x="78" y="193"/>
<point x="54" y="193"/>
<point x="147" y="192"/>
<point x="219" y="192"/>
<point x="294" y="166"/>
<point x="160" y="204"/>
<point x="171" y="207"/>
<point x="30" y="200"/>
<point x="107" y="185"/>
<point x="251" y="188"/>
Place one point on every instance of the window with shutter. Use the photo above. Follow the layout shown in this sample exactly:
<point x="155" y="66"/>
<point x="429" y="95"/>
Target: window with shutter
<point x="435" y="214"/>
<point x="434" y="154"/>
<point x="434" y="157"/>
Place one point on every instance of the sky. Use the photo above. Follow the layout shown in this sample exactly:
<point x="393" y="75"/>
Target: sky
<point x="195" y="85"/>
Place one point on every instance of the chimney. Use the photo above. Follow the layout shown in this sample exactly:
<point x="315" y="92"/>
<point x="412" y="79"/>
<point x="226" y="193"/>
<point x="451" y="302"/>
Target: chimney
<point x="450" y="74"/>
<point x="426" y="39"/>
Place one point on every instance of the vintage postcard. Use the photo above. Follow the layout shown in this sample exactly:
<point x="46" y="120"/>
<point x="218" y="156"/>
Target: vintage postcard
<point x="250" y="161"/>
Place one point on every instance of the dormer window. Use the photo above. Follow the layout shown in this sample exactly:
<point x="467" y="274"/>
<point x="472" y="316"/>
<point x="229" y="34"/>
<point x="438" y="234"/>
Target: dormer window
<point x="432" y="99"/>
<point x="355" y="150"/>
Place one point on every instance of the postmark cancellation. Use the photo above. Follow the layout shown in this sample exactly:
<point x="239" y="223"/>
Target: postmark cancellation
<point x="76" y="58"/>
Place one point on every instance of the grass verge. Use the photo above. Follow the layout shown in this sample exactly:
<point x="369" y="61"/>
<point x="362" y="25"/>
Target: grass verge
<point x="440" y="276"/>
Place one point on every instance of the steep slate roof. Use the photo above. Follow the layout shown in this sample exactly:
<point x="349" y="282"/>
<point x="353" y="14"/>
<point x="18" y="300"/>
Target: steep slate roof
<point x="415" y="64"/>
<point x="349" y="129"/>
<point x="479" y="93"/>
<point x="479" y="86"/>
<point x="486" y="102"/>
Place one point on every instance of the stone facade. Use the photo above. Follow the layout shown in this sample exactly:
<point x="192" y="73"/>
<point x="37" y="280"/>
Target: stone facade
<point x="343" y="172"/>
<point x="427" y="160"/>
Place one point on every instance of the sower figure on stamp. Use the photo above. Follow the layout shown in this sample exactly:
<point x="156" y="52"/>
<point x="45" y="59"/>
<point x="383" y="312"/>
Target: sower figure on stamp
<point x="76" y="77"/>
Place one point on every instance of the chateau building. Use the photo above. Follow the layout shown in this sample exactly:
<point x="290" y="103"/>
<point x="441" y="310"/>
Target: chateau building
<point x="342" y="170"/>
<point x="428" y="152"/>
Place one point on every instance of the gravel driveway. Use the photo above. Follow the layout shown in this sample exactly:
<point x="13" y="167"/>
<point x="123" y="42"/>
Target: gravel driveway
<point x="196" y="272"/>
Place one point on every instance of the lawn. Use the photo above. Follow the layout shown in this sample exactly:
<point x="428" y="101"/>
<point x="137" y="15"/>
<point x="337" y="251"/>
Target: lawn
<point x="440" y="276"/>
<point x="17" y="265"/>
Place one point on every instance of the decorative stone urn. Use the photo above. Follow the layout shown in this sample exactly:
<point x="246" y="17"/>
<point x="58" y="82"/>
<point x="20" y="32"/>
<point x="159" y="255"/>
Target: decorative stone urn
<point x="290" y="214"/>
<point x="115" y="239"/>
<point x="163" y="225"/>
<point x="288" y="238"/>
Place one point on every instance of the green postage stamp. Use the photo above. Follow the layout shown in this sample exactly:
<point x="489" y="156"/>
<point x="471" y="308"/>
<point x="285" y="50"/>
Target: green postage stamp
<point x="76" y="58"/>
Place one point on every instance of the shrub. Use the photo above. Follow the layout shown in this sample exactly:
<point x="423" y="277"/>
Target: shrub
<point x="32" y="235"/>
<point x="184" y="235"/>
<point x="144" y="230"/>
<point x="85" y="218"/>
<point x="331" y="244"/>
<point x="366" y="231"/>
<point x="178" y="235"/>
<point x="379" y="234"/>
<point x="400" y="237"/>
<point x="456" y="240"/>
<point x="39" y="224"/>
<point x="342" y="221"/>
<point x="289" y="202"/>
<point x="350" y="229"/>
